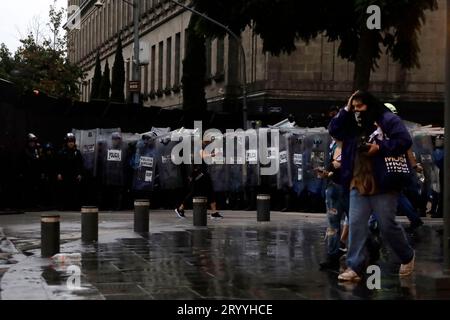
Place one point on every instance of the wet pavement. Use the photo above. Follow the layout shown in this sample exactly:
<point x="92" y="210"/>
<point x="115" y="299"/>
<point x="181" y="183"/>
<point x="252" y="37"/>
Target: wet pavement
<point x="234" y="258"/>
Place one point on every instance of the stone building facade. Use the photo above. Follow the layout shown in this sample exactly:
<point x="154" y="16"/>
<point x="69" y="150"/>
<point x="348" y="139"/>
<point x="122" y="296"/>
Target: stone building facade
<point x="311" y="77"/>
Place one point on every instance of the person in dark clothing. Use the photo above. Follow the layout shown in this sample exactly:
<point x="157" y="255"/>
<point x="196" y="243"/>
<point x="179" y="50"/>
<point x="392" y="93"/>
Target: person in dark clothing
<point x="438" y="159"/>
<point x="49" y="173"/>
<point x="337" y="206"/>
<point x="69" y="174"/>
<point x="370" y="132"/>
<point x="201" y="186"/>
<point x="31" y="172"/>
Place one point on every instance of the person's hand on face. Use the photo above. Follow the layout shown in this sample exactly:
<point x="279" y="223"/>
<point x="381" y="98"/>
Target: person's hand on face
<point x="349" y="107"/>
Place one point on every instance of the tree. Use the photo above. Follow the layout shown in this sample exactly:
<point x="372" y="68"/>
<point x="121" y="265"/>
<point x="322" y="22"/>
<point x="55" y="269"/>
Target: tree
<point x="343" y="21"/>
<point x="105" y="85"/>
<point x="56" y="16"/>
<point x="96" y="81"/>
<point x="6" y="62"/>
<point x="194" y="69"/>
<point x="42" y="64"/>
<point x="118" y="75"/>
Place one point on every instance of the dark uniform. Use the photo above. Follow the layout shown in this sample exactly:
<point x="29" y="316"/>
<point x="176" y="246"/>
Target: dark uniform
<point x="31" y="172"/>
<point x="70" y="170"/>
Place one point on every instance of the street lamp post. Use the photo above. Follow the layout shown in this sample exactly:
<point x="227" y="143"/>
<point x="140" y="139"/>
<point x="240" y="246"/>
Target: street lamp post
<point x="244" y="64"/>
<point x="136" y="76"/>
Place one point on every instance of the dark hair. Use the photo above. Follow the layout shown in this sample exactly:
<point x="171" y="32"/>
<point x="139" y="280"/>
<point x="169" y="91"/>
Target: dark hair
<point x="374" y="109"/>
<point x="374" y="106"/>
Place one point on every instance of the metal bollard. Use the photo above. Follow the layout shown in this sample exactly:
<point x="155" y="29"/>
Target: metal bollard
<point x="200" y="206"/>
<point x="263" y="207"/>
<point x="89" y="224"/>
<point x="49" y="235"/>
<point x="141" y="216"/>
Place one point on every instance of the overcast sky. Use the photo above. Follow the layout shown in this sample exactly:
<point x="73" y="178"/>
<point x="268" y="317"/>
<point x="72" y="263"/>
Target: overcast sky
<point x="16" y="17"/>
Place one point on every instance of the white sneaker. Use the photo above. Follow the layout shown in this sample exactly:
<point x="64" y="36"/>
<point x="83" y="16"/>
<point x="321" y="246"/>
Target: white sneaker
<point x="407" y="269"/>
<point x="349" y="275"/>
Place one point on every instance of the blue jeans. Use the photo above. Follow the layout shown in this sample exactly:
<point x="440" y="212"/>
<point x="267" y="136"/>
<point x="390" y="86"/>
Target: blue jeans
<point x="405" y="207"/>
<point x="335" y="201"/>
<point x="361" y="208"/>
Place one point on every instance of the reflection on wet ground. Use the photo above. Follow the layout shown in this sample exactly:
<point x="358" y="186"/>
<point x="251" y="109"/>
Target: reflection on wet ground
<point x="272" y="261"/>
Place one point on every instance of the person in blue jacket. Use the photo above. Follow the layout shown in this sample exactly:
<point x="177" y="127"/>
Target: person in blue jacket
<point x="370" y="132"/>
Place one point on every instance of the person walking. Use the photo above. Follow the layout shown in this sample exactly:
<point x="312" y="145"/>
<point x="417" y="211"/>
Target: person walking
<point x="371" y="136"/>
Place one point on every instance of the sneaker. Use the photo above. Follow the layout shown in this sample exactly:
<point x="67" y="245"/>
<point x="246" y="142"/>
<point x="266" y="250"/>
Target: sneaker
<point x="407" y="269"/>
<point x="343" y="248"/>
<point x="180" y="213"/>
<point x="349" y="275"/>
<point x="216" y="215"/>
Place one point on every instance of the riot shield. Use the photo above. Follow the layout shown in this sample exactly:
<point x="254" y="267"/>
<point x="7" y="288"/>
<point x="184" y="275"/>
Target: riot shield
<point x="114" y="159"/>
<point x="284" y="175"/>
<point x="218" y="170"/>
<point x="235" y="163"/>
<point x="317" y="157"/>
<point x="423" y="151"/>
<point x="170" y="175"/>
<point x="87" y="143"/>
<point x="144" y="166"/>
<point x="251" y="169"/>
<point x="297" y="141"/>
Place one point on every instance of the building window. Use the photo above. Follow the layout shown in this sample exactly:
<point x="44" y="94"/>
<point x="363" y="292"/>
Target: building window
<point x="160" y="65"/>
<point x="153" y="70"/>
<point x="177" y="59"/>
<point x="169" y="63"/>
<point x="220" y="59"/>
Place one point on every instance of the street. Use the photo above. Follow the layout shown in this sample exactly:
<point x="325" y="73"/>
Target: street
<point x="233" y="258"/>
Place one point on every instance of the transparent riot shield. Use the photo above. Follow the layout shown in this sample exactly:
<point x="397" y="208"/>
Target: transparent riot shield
<point x="284" y="176"/>
<point x="317" y="157"/>
<point x="87" y="142"/>
<point x="170" y="175"/>
<point x="297" y="147"/>
<point x="144" y="165"/>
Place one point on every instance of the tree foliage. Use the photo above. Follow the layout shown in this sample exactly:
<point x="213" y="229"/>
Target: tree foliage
<point x="43" y="66"/>
<point x="118" y="75"/>
<point x="281" y="23"/>
<point x="105" y="85"/>
<point x="97" y="80"/>
<point x="194" y="69"/>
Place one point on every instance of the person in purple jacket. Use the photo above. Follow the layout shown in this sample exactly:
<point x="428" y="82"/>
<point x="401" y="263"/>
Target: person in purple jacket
<point x="369" y="132"/>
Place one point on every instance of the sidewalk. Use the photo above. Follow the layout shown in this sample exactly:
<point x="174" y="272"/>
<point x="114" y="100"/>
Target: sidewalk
<point x="233" y="258"/>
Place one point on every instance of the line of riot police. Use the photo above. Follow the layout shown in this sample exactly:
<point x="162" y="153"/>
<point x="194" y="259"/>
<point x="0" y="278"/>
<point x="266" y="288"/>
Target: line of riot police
<point x="109" y="169"/>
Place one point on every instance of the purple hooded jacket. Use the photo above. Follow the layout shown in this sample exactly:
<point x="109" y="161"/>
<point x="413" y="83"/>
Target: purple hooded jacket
<point x="397" y="141"/>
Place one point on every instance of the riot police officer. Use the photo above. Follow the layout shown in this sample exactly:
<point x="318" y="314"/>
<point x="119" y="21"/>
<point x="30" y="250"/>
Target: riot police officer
<point x="31" y="173"/>
<point x="69" y="174"/>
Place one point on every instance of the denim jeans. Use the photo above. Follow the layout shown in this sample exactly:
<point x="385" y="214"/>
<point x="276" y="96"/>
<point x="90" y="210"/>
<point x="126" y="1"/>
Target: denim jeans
<point x="405" y="206"/>
<point x="361" y="207"/>
<point x="335" y="201"/>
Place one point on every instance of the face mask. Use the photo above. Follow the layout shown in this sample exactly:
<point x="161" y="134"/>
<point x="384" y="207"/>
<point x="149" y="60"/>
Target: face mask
<point x="358" y="118"/>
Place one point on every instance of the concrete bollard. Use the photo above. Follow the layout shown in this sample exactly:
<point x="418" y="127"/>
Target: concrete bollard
<point x="141" y="216"/>
<point x="50" y="235"/>
<point x="89" y="224"/>
<point x="263" y="207"/>
<point x="200" y="206"/>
